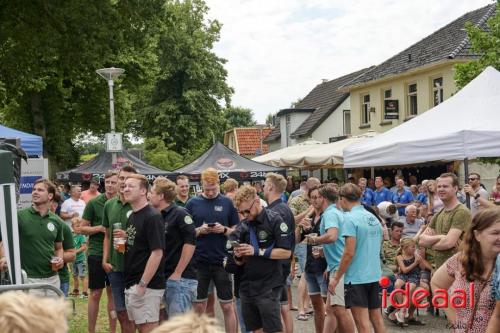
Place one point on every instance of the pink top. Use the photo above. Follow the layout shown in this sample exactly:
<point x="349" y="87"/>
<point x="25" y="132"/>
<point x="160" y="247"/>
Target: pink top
<point x="485" y="302"/>
<point x="496" y="196"/>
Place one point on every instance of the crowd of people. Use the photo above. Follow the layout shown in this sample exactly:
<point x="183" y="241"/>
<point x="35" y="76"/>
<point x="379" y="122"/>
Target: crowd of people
<point x="160" y="252"/>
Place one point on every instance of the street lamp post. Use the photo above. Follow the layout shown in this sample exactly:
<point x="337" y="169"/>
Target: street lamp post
<point x="111" y="74"/>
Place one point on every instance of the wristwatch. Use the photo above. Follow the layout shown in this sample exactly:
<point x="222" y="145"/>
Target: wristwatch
<point x="143" y="284"/>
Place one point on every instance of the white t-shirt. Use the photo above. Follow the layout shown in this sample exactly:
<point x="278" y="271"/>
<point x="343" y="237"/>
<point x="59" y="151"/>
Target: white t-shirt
<point x="70" y="206"/>
<point x="474" y="206"/>
<point x="382" y="210"/>
<point x="410" y="230"/>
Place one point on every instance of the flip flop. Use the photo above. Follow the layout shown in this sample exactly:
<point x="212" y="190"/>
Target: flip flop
<point x="415" y="321"/>
<point x="294" y="309"/>
<point x="310" y="312"/>
<point x="302" y="317"/>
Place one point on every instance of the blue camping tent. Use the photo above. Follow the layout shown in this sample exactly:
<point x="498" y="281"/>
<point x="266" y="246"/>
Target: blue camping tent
<point x="30" y="143"/>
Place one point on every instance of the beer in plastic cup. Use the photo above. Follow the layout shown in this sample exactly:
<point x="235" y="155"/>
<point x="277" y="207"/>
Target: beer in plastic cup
<point x="316" y="250"/>
<point x="120" y="243"/>
<point x="54" y="261"/>
<point x="117" y="226"/>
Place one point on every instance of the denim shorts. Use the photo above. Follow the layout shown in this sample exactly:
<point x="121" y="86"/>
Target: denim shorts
<point x="117" y="281"/>
<point x="79" y="269"/>
<point x="301" y="254"/>
<point x="316" y="284"/>
<point x="65" y="288"/>
<point x="180" y="295"/>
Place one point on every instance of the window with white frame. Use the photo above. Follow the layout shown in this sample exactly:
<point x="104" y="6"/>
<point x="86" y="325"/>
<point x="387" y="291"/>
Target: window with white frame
<point x="365" y="109"/>
<point x="347" y="122"/>
<point x="437" y="90"/>
<point x="412" y="106"/>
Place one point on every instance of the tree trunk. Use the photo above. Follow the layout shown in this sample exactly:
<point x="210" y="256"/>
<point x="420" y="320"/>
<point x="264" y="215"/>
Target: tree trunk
<point x="38" y="118"/>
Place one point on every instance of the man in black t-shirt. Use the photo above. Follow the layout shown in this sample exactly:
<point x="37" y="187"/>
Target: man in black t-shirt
<point x="264" y="241"/>
<point x="180" y="238"/>
<point x="274" y="186"/>
<point x="143" y="269"/>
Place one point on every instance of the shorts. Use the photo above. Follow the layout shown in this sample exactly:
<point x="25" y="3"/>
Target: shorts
<point x="362" y="295"/>
<point x="284" y="290"/>
<point x="179" y="296"/>
<point x="117" y="281"/>
<point x="316" y="284"/>
<point x="425" y="275"/>
<point x="79" y="269"/>
<point x="222" y="281"/>
<point x="54" y="281"/>
<point x="64" y="288"/>
<point x="98" y="279"/>
<point x="143" y="309"/>
<point x="338" y="298"/>
<point x="301" y="254"/>
<point x="262" y="311"/>
<point x="211" y="287"/>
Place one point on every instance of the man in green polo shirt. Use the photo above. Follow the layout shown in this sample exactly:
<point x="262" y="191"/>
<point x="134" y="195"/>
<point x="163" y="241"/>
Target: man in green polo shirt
<point x="68" y="247"/>
<point x="182" y="189"/>
<point x="40" y="237"/>
<point x="92" y="226"/>
<point x="116" y="210"/>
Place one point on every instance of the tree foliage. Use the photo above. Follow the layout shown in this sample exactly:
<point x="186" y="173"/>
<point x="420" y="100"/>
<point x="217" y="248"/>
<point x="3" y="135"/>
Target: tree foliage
<point x="159" y="156"/>
<point x="237" y="116"/>
<point x="486" y="43"/>
<point x="49" y="54"/>
<point x="187" y="104"/>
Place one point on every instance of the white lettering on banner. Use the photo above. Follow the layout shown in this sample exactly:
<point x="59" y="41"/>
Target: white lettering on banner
<point x="257" y="174"/>
<point x="224" y="175"/>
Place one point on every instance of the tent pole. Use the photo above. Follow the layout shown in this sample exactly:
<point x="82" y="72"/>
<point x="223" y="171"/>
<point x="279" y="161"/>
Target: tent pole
<point x="466" y="172"/>
<point x="372" y="173"/>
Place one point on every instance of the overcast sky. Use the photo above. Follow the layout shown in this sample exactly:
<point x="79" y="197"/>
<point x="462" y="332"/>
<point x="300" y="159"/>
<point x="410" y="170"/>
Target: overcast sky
<point x="279" y="50"/>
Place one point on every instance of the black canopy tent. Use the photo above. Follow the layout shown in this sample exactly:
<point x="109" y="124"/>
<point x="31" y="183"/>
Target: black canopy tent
<point x="229" y="165"/>
<point x="101" y="164"/>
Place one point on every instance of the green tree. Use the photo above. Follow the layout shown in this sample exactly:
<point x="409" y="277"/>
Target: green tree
<point x="48" y="56"/>
<point x="269" y="119"/>
<point x="159" y="156"/>
<point x="486" y="43"/>
<point x="191" y="92"/>
<point x="237" y="116"/>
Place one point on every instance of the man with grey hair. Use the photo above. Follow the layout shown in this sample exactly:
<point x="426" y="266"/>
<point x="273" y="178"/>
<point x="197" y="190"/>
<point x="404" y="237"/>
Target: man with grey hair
<point x="411" y="222"/>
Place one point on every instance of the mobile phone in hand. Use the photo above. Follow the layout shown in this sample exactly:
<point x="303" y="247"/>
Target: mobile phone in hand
<point x="211" y="225"/>
<point x="235" y="244"/>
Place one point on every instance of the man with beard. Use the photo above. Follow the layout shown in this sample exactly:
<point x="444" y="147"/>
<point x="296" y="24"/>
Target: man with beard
<point x="214" y="216"/>
<point x="117" y="211"/>
<point x="263" y="241"/>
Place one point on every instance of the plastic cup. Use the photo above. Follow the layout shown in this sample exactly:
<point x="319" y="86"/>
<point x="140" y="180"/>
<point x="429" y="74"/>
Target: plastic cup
<point x="53" y="262"/>
<point x="117" y="226"/>
<point x="120" y="244"/>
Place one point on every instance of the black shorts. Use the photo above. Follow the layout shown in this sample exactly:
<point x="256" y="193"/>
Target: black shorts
<point x="262" y="311"/>
<point x="362" y="295"/>
<point x="222" y="281"/>
<point x="98" y="279"/>
<point x="284" y="291"/>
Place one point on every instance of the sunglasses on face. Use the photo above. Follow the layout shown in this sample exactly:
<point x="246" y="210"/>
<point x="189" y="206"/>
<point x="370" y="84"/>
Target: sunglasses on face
<point x="473" y="178"/>
<point x="246" y="212"/>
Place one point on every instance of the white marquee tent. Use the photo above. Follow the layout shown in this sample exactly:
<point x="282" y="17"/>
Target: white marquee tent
<point x="274" y="158"/>
<point x="467" y="125"/>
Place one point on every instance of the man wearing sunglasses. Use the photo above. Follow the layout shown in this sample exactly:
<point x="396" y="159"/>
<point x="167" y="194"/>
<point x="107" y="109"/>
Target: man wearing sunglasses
<point x="263" y="241"/>
<point x="475" y="191"/>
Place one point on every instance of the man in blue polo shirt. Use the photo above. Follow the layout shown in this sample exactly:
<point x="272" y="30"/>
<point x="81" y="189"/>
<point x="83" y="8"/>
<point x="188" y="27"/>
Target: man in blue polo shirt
<point x="402" y="197"/>
<point x="214" y="216"/>
<point x="333" y="247"/>
<point x="367" y="196"/>
<point x="381" y="193"/>
<point x="360" y="261"/>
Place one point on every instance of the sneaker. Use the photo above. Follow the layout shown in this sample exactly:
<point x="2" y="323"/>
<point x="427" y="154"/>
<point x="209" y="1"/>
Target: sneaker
<point x="400" y="316"/>
<point x="84" y="295"/>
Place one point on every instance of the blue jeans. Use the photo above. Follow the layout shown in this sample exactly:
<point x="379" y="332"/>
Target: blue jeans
<point x="117" y="281"/>
<point x="64" y="288"/>
<point x="301" y="254"/>
<point x="316" y="284"/>
<point x="180" y="295"/>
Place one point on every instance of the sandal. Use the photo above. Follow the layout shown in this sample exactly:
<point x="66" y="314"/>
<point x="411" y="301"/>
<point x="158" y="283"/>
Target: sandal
<point x="302" y="317"/>
<point x="415" y="321"/>
<point x="294" y="309"/>
<point x="310" y="312"/>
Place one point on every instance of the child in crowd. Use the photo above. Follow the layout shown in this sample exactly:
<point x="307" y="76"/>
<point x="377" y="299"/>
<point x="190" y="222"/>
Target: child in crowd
<point x="409" y="263"/>
<point x="79" y="268"/>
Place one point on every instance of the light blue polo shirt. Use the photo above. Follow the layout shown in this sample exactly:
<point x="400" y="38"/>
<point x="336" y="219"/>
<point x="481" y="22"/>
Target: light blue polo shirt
<point x="365" y="267"/>
<point x="333" y="218"/>
<point x="383" y="195"/>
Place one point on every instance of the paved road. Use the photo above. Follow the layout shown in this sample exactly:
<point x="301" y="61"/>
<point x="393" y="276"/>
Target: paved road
<point x="432" y="323"/>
